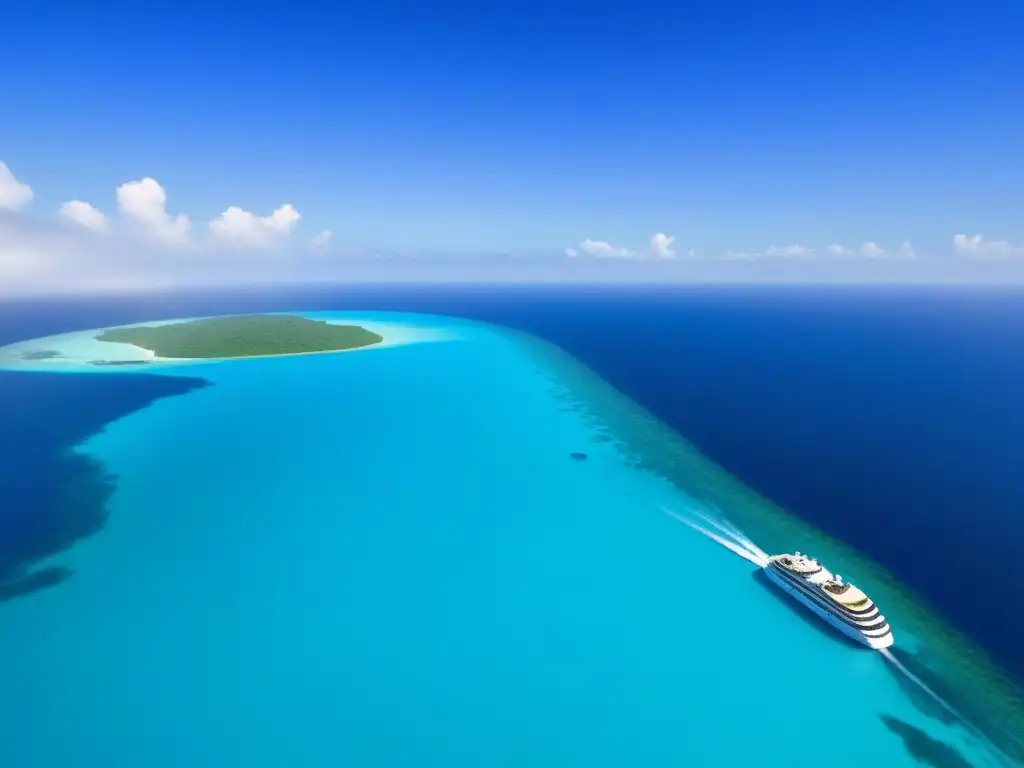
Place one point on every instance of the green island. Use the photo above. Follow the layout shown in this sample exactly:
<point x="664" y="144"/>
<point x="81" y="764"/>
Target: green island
<point x="243" y="336"/>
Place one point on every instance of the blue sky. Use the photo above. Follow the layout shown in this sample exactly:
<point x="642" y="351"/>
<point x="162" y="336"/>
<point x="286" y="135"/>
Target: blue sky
<point x="481" y="129"/>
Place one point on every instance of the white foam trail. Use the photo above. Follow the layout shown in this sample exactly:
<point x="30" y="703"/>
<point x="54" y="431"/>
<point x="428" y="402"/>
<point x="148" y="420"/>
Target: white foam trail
<point x="888" y="655"/>
<point x="733" y="546"/>
<point x="723" y="525"/>
<point x="992" y="748"/>
<point x="733" y="539"/>
<point x="735" y="534"/>
<point x="722" y="522"/>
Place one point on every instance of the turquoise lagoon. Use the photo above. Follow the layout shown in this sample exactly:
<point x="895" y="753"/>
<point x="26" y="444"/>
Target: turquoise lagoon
<point x="388" y="557"/>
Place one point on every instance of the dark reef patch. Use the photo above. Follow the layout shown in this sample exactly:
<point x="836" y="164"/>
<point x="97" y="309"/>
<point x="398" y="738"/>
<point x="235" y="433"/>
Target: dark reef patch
<point x="578" y="456"/>
<point x="51" y="495"/>
<point x="924" y="748"/>
<point x="40" y="354"/>
<point x="919" y="698"/>
<point x="971" y="713"/>
<point x="44" y="578"/>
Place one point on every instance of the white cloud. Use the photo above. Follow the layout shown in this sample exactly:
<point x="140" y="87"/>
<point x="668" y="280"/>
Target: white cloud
<point x="977" y="246"/>
<point x="322" y="240"/>
<point x="242" y="228"/>
<point x="661" y="246"/>
<point x="870" y="250"/>
<point x="80" y="249"/>
<point x="907" y="251"/>
<point x="26" y="254"/>
<point x="47" y="256"/>
<point x="43" y="255"/>
<point x="603" y="250"/>
<point x="789" y="251"/>
<point x="84" y="215"/>
<point x="13" y="193"/>
<point x="144" y="202"/>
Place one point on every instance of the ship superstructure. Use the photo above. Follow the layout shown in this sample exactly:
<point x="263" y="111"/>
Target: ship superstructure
<point x="839" y="603"/>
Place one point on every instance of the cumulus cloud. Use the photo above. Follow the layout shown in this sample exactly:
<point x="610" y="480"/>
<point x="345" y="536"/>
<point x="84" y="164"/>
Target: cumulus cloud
<point x="907" y="251"/>
<point x="871" y="250"/>
<point x="13" y="193"/>
<point x="977" y="246"/>
<point x="661" y="246"/>
<point x="789" y="251"/>
<point x="603" y="250"/>
<point x="80" y="248"/>
<point x="322" y="240"/>
<point x="46" y="255"/>
<point x="84" y="215"/>
<point x="144" y="204"/>
<point x="242" y="228"/>
<point x="27" y="252"/>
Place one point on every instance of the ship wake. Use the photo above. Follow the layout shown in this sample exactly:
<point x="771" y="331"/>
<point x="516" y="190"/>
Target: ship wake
<point x="902" y="668"/>
<point x="980" y="736"/>
<point x="733" y="539"/>
<point x="722" y="533"/>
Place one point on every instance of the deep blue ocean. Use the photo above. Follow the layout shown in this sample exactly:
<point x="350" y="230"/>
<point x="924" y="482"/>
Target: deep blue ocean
<point x="890" y="418"/>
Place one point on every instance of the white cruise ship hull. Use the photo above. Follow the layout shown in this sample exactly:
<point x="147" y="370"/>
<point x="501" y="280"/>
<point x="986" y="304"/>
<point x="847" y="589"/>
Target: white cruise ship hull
<point x="876" y="643"/>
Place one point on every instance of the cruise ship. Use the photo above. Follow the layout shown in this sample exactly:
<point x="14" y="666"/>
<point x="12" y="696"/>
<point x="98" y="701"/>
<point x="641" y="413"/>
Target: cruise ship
<point x="840" y="604"/>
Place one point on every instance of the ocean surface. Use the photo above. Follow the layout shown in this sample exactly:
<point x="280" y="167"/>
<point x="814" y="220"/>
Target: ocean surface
<point x="457" y="551"/>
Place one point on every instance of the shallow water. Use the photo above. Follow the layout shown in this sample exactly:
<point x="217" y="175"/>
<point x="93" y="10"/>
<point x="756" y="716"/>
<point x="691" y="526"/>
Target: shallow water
<point x="391" y="558"/>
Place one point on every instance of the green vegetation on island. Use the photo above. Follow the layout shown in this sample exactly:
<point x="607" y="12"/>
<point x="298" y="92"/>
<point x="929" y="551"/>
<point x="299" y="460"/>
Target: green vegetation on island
<point x="243" y="336"/>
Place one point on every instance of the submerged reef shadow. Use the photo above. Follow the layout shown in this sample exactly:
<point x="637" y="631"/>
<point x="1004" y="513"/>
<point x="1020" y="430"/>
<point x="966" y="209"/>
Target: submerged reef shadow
<point x="919" y="698"/>
<point x="969" y="712"/>
<point x="35" y="581"/>
<point x="924" y="748"/>
<point x="52" y="495"/>
<point x="40" y="354"/>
